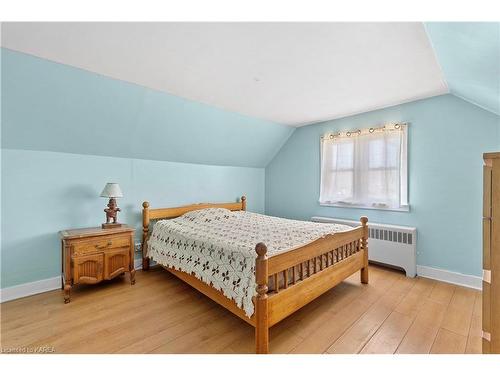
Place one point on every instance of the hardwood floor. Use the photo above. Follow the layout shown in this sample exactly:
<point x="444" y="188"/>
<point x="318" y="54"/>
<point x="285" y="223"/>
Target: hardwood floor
<point x="161" y="314"/>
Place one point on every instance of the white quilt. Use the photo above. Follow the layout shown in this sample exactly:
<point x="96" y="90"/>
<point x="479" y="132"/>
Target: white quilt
<point x="218" y="246"/>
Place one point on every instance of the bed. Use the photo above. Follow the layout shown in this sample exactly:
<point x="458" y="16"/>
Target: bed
<point x="261" y="268"/>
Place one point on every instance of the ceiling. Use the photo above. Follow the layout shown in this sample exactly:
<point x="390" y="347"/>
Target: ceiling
<point x="287" y="73"/>
<point x="469" y="53"/>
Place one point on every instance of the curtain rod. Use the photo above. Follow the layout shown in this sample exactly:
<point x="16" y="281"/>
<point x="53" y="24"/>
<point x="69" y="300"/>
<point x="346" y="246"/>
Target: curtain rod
<point x="348" y="133"/>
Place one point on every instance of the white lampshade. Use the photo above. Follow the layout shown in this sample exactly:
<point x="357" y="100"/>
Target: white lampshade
<point x="112" y="190"/>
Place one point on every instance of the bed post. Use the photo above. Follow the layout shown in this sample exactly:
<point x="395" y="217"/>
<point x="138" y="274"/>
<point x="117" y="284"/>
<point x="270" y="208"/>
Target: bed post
<point x="145" y="230"/>
<point x="261" y="321"/>
<point x="243" y="203"/>
<point x="364" y="244"/>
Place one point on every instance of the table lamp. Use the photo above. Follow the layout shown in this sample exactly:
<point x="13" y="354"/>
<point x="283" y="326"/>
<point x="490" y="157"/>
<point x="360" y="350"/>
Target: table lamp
<point x="112" y="191"/>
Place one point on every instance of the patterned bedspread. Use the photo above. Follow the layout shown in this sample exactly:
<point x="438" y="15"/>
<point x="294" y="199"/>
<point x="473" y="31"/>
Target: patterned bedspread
<point x="218" y="246"/>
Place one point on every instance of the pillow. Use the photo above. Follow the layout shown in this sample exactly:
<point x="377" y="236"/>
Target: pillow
<point x="208" y="214"/>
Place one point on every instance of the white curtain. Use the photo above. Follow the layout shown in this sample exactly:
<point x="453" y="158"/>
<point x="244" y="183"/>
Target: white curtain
<point x="366" y="168"/>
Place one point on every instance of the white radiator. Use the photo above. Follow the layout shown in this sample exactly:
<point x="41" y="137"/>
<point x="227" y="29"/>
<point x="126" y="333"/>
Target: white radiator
<point x="388" y="244"/>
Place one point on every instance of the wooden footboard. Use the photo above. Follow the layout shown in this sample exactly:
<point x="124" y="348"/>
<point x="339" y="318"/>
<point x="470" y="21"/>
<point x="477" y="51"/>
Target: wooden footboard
<point x="307" y="272"/>
<point x="297" y="276"/>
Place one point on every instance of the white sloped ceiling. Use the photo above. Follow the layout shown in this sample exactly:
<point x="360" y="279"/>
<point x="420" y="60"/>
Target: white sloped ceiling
<point x="287" y="73"/>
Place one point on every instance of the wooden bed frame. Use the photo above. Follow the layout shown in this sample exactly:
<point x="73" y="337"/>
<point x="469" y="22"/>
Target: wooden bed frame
<point x="306" y="272"/>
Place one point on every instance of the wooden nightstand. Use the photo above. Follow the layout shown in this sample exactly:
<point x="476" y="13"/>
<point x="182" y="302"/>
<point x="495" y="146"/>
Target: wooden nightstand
<point x="91" y="255"/>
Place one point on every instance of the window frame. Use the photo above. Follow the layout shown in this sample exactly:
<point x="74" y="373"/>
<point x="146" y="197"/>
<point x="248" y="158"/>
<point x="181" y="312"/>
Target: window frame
<point x="401" y="208"/>
<point x="405" y="208"/>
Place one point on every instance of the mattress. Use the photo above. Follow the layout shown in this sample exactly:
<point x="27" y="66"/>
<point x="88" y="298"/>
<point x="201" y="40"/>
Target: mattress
<point x="218" y="246"/>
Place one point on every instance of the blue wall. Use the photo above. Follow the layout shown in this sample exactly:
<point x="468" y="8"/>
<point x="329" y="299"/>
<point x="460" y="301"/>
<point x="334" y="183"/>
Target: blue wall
<point x="469" y="55"/>
<point x="45" y="192"/>
<point x="66" y="132"/>
<point x="447" y="137"/>
<point x="53" y="107"/>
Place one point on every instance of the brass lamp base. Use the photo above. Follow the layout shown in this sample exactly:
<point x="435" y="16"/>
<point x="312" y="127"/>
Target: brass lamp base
<point x="111" y="225"/>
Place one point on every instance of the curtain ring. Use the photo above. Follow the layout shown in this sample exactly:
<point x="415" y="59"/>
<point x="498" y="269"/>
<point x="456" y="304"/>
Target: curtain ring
<point x="371" y="130"/>
<point x="397" y="126"/>
<point x="359" y="131"/>
<point x="348" y="134"/>
<point x="331" y="136"/>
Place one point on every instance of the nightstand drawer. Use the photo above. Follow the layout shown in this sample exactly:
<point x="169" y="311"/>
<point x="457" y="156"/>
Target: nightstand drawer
<point x="97" y="245"/>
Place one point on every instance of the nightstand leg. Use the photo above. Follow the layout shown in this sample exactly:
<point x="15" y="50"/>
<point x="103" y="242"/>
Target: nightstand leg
<point x="132" y="260"/>
<point x="67" y="293"/>
<point x="132" y="276"/>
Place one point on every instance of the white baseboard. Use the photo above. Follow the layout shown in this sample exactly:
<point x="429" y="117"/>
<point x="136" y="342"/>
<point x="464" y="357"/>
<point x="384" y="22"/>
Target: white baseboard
<point x="40" y="286"/>
<point x="28" y="289"/>
<point x="138" y="264"/>
<point x="470" y="281"/>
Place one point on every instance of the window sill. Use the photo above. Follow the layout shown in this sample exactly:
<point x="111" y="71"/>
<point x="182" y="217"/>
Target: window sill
<point x="340" y="205"/>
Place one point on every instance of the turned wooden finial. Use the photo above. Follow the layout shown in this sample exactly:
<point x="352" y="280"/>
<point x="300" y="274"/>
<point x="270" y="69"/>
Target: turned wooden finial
<point x="363" y="220"/>
<point x="261" y="249"/>
<point x="244" y="203"/>
<point x="145" y="204"/>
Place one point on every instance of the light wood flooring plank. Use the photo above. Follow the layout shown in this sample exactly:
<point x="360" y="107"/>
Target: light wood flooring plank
<point x="442" y="293"/>
<point x="353" y="340"/>
<point x="161" y="314"/>
<point x="321" y="338"/>
<point x="459" y="313"/>
<point x="390" y="334"/>
<point x="448" y="342"/>
<point x="423" y="331"/>
<point x="474" y="340"/>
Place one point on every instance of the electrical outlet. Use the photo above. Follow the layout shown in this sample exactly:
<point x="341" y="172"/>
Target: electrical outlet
<point x="138" y="247"/>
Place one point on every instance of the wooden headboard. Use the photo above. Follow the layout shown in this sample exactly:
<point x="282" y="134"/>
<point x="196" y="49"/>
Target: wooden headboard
<point x="149" y="214"/>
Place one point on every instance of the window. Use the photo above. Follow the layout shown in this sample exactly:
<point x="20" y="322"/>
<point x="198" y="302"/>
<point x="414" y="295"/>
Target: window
<point x="365" y="168"/>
